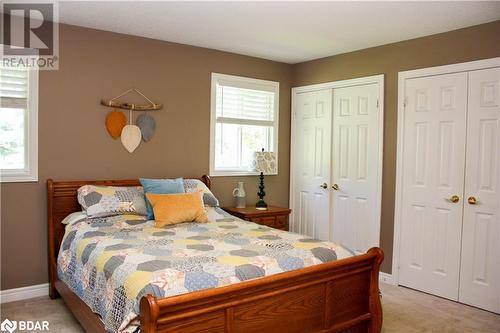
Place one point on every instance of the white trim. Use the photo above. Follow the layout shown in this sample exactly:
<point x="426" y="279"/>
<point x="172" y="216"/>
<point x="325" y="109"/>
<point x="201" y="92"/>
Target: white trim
<point x="453" y="68"/>
<point x="229" y="173"/>
<point x="385" y="278"/>
<point x="402" y="77"/>
<point x="30" y="173"/>
<point x="374" y="79"/>
<point x="339" y="84"/>
<point x="239" y="121"/>
<point x="249" y="83"/>
<point x="291" y="221"/>
<point x="18" y="294"/>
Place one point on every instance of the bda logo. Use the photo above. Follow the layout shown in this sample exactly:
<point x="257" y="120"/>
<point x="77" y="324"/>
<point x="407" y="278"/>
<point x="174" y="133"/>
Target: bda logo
<point x="8" y="325"/>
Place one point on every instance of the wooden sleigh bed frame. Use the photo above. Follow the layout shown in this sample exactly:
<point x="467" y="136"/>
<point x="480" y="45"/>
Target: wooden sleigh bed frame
<point x="340" y="296"/>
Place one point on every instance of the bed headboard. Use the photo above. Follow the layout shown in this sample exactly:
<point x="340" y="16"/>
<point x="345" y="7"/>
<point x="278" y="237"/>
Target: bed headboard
<point x="62" y="201"/>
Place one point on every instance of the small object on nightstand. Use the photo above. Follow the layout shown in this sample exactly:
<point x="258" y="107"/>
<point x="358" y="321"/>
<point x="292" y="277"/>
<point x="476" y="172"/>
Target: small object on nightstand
<point x="263" y="162"/>
<point x="240" y="196"/>
<point x="274" y="217"/>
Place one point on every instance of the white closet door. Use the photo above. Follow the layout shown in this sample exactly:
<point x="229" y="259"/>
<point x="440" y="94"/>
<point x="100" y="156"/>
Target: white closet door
<point x="480" y="270"/>
<point x="311" y="167"/>
<point x="433" y="172"/>
<point x="356" y="148"/>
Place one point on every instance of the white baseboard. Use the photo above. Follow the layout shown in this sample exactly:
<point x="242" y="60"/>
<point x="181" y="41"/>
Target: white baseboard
<point x="18" y="294"/>
<point x="385" y="278"/>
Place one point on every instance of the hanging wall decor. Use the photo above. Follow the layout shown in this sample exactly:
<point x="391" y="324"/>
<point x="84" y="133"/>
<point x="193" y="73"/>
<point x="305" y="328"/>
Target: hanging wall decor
<point x="115" y="121"/>
<point x="114" y="103"/>
<point x="131" y="134"/>
<point x="147" y="125"/>
<point x="131" y="137"/>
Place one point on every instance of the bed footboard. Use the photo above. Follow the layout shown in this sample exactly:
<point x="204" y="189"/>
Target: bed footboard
<point x="341" y="296"/>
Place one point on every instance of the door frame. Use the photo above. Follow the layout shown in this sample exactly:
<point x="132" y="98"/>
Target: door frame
<point x="402" y="77"/>
<point x="374" y="79"/>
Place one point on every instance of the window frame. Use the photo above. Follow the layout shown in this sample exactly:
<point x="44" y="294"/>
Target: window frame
<point x="250" y="83"/>
<point x="30" y="171"/>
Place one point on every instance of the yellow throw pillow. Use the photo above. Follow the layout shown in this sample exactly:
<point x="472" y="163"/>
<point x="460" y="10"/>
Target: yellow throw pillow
<point x="177" y="208"/>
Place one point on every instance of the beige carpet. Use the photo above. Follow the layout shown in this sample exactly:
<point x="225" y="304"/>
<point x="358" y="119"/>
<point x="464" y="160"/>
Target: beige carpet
<point x="43" y="308"/>
<point x="405" y="311"/>
<point x="410" y="311"/>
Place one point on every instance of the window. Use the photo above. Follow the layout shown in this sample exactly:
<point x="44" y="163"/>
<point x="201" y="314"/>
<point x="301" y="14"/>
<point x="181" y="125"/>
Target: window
<point x="18" y="124"/>
<point x="244" y="119"/>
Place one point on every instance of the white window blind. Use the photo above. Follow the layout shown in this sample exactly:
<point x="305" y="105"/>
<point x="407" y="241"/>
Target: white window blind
<point x="18" y="124"/>
<point x="14" y="85"/>
<point x="244" y="120"/>
<point x="249" y="106"/>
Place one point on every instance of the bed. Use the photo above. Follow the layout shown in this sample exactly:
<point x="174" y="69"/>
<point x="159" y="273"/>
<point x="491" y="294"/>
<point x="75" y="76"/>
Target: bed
<point x="337" y="296"/>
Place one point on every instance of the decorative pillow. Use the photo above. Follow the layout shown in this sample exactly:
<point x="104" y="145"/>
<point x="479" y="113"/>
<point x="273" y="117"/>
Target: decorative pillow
<point x="217" y="214"/>
<point x="177" y="208"/>
<point x="102" y="201"/>
<point x="196" y="185"/>
<point x="160" y="186"/>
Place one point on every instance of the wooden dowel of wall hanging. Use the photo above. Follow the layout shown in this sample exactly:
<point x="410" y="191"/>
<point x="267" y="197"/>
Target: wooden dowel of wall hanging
<point x="129" y="106"/>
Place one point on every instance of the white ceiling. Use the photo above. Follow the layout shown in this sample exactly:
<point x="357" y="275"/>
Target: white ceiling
<point x="290" y="32"/>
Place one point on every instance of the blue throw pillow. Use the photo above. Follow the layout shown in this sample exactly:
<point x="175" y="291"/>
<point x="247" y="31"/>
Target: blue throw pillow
<point x="160" y="186"/>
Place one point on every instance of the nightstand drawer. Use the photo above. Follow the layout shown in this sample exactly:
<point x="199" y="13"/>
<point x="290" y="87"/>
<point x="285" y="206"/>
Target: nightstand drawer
<point x="277" y="222"/>
<point x="270" y="221"/>
<point x="273" y="217"/>
<point x="282" y="222"/>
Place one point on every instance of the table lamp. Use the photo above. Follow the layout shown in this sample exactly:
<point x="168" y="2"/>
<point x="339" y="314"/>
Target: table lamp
<point x="263" y="162"/>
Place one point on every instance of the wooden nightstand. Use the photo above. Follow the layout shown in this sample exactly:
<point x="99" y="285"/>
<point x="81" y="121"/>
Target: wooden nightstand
<point x="274" y="217"/>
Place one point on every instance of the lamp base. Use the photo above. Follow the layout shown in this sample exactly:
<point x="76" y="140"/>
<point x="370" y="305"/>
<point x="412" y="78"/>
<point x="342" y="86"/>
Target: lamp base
<point x="261" y="205"/>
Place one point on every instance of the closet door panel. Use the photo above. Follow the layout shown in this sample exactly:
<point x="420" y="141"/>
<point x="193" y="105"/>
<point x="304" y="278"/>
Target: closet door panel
<point x="433" y="172"/>
<point x="356" y="144"/>
<point x="480" y="268"/>
<point x="313" y="118"/>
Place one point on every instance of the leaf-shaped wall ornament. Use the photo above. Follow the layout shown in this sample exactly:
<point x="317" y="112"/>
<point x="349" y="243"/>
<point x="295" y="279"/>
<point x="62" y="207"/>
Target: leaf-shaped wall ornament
<point x="147" y="125"/>
<point x="131" y="137"/>
<point x="115" y="121"/>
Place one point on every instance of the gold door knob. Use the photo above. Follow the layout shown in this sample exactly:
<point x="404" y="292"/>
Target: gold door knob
<point x="335" y="187"/>
<point x="472" y="200"/>
<point x="454" y="198"/>
<point x="324" y="186"/>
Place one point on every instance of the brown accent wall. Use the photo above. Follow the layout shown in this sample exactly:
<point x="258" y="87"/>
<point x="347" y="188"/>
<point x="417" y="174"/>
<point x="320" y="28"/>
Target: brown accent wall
<point x="473" y="43"/>
<point x="74" y="144"/>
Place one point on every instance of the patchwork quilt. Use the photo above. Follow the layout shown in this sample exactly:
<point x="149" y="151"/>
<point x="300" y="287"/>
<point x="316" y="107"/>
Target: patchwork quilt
<point x="111" y="262"/>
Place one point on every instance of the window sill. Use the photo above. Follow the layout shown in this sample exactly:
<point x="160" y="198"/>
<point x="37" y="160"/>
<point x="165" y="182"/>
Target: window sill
<point x="237" y="173"/>
<point x="18" y="178"/>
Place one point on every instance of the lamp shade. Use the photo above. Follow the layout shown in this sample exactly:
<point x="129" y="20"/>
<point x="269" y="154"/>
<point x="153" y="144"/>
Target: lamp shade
<point x="265" y="162"/>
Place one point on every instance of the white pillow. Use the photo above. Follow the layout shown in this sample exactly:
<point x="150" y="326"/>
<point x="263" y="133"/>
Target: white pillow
<point x="74" y="217"/>
<point x="212" y="214"/>
<point x="196" y="185"/>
